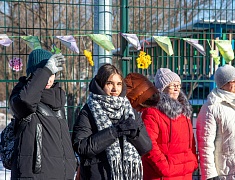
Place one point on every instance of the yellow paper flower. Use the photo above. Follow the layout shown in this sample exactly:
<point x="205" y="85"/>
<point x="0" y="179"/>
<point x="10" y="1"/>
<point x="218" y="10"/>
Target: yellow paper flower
<point x="89" y="57"/>
<point x="144" y="60"/>
<point x="215" y="56"/>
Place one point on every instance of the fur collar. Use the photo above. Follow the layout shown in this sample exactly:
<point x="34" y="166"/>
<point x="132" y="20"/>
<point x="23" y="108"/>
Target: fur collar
<point x="173" y="108"/>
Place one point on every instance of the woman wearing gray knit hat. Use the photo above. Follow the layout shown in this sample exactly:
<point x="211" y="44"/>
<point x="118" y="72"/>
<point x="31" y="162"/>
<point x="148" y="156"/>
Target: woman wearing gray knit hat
<point x="215" y="128"/>
<point x="167" y="118"/>
<point x="44" y="148"/>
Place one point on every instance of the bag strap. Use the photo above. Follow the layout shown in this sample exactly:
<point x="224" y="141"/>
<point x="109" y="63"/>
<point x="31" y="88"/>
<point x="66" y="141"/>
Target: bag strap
<point x="20" y="128"/>
<point x="22" y="124"/>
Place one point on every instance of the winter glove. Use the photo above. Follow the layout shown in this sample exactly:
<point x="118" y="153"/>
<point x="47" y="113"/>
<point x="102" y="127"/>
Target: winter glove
<point x="55" y="63"/>
<point x="128" y="127"/>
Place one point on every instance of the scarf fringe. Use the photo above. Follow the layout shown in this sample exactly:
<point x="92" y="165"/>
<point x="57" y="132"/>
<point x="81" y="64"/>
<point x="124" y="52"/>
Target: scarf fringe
<point x="128" y="171"/>
<point x="116" y="166"/>
<point x="133" y="170"/>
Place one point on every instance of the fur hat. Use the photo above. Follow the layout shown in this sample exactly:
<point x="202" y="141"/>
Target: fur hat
<point x="164" y="77"/>
<point x="37" y="59"/>
<point x="224" y="74"/>
<point x="139" y="89"/>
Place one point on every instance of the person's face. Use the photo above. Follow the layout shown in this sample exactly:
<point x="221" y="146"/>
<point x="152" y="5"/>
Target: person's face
<point x="173" y="89"/>
<point x="50" y="81"/>
<point x="230" y="86"/>
<point x="113" y="86"/>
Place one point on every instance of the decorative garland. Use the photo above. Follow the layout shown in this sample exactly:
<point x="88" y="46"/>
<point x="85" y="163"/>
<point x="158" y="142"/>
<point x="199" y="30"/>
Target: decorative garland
<point x="143" y="60"/>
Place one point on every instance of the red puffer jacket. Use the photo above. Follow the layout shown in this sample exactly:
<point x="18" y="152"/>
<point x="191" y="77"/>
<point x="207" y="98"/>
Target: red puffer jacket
<point x="173" y="156"/>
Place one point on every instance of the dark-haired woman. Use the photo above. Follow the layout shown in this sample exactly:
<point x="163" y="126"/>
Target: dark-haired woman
<point x="108" y="134"/>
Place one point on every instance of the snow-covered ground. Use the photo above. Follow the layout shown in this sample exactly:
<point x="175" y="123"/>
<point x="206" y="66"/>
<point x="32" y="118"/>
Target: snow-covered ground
<point x="4" y="174"/>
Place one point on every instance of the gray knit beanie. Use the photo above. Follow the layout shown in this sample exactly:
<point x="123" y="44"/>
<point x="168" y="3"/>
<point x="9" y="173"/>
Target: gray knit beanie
<point x="37" y="59"/>
<point x="224" y="74"/>
<point x="164" y="77"/>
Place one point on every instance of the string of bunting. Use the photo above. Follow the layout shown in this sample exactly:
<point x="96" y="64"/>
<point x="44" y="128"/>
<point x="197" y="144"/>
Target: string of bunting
<point x="143" y="60"/>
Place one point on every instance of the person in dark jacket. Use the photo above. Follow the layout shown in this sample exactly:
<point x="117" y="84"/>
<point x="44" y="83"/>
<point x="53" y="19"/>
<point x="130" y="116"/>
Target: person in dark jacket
<point x="166" y="113"/>
<point x="108" y="134"/>
<point x="44" y="149"/>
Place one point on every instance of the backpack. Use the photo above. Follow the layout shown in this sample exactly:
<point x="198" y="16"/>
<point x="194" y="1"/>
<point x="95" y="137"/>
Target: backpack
<point x="8" y="136"/>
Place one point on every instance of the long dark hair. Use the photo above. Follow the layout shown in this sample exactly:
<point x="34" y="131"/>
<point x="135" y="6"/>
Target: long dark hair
<point x="104" y="72"/>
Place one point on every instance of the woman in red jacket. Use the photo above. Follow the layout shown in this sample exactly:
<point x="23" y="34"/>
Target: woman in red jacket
<point x="167" y="117"/>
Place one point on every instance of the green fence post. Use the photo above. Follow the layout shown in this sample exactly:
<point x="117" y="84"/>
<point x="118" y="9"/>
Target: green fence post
<point x="124" y="29"/>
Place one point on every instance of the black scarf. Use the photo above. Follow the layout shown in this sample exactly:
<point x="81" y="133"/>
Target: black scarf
<point x="53" y="97"/>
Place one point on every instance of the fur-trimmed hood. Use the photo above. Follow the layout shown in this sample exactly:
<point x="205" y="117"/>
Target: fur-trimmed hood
<point x="173" y="108"/>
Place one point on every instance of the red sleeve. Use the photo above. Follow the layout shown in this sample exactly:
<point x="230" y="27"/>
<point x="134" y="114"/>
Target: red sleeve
<point x="155" y="157"/>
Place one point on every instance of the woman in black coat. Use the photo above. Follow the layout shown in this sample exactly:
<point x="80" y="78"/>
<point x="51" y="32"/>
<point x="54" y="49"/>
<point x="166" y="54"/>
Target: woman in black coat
<point x="108" y="134"/>
<point x="44" y="149"/>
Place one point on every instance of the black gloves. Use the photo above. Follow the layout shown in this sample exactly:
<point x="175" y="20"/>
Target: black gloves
<point x="128" y="127"/>
<point x="55" y="63"/>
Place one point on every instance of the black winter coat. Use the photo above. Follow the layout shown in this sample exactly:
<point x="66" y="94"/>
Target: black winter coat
<point x="90" y="144"/>
<point x="44" y="150"/>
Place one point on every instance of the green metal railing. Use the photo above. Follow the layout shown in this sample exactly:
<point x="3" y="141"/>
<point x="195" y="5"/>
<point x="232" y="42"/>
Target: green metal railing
<point x="204" y="20"/>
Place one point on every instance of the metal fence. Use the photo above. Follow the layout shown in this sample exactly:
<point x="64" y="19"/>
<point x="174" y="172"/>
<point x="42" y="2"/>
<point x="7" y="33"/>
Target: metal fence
<point x="203" y="20"/>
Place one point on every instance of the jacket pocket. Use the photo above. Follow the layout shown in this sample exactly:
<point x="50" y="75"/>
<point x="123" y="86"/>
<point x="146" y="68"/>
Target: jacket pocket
<point x="38" y="150"/>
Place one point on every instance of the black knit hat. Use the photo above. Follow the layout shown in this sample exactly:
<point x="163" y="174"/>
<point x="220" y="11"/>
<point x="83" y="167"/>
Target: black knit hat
<point x="37" y="59"/>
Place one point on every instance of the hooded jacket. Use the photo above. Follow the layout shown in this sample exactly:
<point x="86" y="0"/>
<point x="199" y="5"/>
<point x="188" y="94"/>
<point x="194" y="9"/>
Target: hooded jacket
<point x="90" y="144"/>
<point x="44" y="149"/>
<point x="173" y="156"/>
<point x="216" y="135"/>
